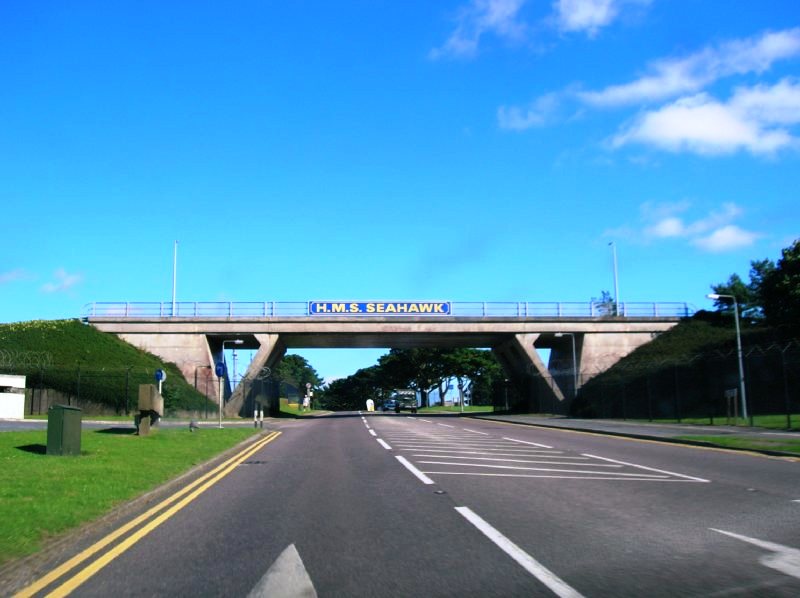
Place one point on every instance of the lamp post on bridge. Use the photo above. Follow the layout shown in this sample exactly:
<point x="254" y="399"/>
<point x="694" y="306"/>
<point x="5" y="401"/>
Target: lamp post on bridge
<point x="221" y="374"/>
<point x="738" y="348"/>
<point x="616" y="281"/>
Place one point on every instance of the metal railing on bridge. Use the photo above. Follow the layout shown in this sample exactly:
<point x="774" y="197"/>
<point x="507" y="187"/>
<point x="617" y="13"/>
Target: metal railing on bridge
<point x="465" y="309"/>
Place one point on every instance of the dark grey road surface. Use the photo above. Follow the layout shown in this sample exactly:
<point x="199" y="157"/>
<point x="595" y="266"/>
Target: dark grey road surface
<point x="570" y="514"/>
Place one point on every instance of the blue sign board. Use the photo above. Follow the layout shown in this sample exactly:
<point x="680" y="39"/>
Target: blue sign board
<point x="161" y="375"/>
<point x="220" y="370"/>
<point x="379" y="308"/>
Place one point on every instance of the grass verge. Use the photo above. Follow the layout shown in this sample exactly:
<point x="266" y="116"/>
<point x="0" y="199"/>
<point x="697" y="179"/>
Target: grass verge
<point x="750" y="443"/>
<point x="43" y="496"/>
<point x="772" y="422"/>
<point x="457" y="409"/>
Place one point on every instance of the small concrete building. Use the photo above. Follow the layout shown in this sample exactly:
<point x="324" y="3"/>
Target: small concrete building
<point x="12" y="397"/>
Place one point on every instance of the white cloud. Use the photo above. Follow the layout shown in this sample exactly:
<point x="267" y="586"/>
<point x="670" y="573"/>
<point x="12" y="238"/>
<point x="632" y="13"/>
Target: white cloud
<point x="585" y="15"/>
<point x="13" y="276"/>
<point x="668" y="227"/>
<point x="539" y="113"/>
<point x="779" y="104"/>
<point x="64" y="282"/>
<point x="498" y="17"/>
<point x="677" y="76"/>
<point x="715" y="232"/>
<point x="706" y="126"/>
<point x="726" y="238"/>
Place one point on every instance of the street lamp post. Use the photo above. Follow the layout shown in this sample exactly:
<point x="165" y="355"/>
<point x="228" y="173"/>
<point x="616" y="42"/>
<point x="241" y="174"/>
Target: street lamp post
<point x="738" y="348"/>
<point x="574" y="363"/>
<point x="616" y="281"/>
<point x="238" y="341"/>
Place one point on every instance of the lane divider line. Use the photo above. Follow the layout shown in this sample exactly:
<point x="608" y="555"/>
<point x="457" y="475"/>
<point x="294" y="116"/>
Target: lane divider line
<point x="526" y="442"/>
<point x="383" y="444"/>
<point x="680" y="475"/>
<point x="371" y="431"/>
<point x="214" y="475"/>
<point x="475" y="431"/>
<point x="558" y="586"/>
<point x="407" y="464"/>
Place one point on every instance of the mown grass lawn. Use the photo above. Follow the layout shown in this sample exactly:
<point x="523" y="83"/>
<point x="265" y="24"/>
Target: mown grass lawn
<point x="42" y="496"/>
<point x="457" y="409"/>
<point x="774" y="422"/>
<point x="785" y="445"/>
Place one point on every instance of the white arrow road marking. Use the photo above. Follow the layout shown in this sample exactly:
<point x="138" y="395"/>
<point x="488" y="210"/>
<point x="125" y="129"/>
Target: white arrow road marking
<point x="785" y="559"/>
<point x="286" y="578"/>
<point x="558" y="586"/>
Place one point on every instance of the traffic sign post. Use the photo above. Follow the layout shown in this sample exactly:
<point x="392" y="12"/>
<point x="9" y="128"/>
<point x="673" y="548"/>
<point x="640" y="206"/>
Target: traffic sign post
<point x="220" y="371"/>
<point x="161" y="375"/>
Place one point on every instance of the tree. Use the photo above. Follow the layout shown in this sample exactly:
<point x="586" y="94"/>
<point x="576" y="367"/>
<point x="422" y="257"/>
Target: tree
<point x="424" y="368"/>
<point x="296" y="370"/>
<point x="351" y="393"/>
<point x="605" y="305"/>
<point x="749" y="296"/>
<point x="417" y="368"/>
<point x="780" y="290"/>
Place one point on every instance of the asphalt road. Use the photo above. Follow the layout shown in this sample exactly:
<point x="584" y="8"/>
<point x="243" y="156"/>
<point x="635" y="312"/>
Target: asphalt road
<point x="397" y="505"/>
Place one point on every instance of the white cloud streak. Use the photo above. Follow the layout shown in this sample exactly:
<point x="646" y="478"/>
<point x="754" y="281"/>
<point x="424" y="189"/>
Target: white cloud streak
<point x="64" y="282"/>
<point x="727" y="238"/>
<point x="478" y="18"/>
<point x="715" y="233"/>
<point x="678" y="76"/>
<point x="585" y="15"/>
<point x="13" y="276"/>
<point x="501" y="19"/>
<point x="539" y="113"/>
<point x="753" y="120"/>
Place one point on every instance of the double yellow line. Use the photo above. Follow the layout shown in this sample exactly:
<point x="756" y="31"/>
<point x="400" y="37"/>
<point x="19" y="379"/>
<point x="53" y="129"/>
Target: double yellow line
<point x="178" y="501"/>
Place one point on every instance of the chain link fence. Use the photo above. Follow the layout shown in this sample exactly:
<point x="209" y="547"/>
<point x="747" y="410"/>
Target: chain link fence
<point x="703" y="387"/>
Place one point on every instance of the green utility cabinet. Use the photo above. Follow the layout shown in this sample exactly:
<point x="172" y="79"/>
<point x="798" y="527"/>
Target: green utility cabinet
<point x="64" y="430"/>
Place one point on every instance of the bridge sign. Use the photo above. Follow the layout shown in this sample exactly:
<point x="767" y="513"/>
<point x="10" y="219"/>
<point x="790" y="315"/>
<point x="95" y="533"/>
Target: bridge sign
<point x="379" y="308"/>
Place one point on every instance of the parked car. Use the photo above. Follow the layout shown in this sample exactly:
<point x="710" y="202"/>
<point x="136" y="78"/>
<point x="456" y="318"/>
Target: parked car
<point x="405" y="403"/>
<point x="389" y="405"/>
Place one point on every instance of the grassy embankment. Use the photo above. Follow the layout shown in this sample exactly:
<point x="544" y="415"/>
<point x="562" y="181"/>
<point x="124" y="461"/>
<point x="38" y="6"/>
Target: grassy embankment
<point x="44" y="496"/>
<point x="83" y="363"/>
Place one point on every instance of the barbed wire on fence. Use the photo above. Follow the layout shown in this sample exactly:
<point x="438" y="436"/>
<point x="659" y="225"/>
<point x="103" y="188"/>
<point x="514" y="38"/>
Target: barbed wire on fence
<point x="25" y="359"/>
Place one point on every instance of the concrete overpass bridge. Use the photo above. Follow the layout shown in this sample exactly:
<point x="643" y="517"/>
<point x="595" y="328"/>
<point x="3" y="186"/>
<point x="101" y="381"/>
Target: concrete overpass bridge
<point x="191" y="334"/>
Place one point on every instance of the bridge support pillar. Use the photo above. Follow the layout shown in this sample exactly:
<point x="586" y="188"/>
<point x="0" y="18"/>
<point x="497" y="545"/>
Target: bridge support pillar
<point x="525" y="368"/>
<point x="190" y="352"/>
<point x="271" y="350"/>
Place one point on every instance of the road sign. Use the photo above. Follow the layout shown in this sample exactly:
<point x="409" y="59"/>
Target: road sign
<point x="161" y="375"/>
<point x="220" y="370"/>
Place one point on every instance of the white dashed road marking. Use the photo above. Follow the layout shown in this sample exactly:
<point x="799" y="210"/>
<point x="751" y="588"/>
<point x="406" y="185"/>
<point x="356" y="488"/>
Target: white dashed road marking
<point x="558" y="586"/>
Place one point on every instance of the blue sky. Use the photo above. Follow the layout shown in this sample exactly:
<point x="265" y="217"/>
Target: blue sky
<point x="470" y="150"/>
